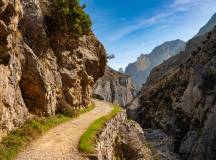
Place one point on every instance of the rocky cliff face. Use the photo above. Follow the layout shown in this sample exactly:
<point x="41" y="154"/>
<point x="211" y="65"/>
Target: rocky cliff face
<point x="179" y="98"/>
<point x="139" y="70"/>
<point x="43" y="67"/>
<point x="114" y="87"/>
<point x="122" y="139"/>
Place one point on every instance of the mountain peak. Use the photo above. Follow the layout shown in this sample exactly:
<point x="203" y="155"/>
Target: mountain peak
<point x="140" y="69"/>
<point x="142" y="57"/>
<point x="208" y="27"/>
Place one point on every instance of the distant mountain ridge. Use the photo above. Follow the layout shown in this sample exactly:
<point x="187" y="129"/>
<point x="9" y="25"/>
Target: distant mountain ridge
<point x="208" y="27"/>
<point x="179" y="101"/>
<point x="140" y="69"/>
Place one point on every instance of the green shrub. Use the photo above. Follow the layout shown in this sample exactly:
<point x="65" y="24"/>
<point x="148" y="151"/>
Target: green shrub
<point x="88" y="139"/>
<point x="72" y="15"/>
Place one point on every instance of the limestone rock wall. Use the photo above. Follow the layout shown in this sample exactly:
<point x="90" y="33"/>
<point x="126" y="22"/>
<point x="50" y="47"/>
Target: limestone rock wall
<point x="122" y="139"/>
<point x="43" y="69"/>
<point x="115" y="87"/>
<point x="13" y="110"/>
<point x="179" y="98"/>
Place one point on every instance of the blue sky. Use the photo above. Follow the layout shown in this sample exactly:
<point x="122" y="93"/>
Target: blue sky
<point x="128" y="28"/>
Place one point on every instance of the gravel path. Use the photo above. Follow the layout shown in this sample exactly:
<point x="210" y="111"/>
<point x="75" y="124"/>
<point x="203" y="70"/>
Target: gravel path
<point x="60" y="143"/>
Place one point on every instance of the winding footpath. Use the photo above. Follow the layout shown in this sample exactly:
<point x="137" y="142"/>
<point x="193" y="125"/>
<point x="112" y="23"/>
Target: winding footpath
<point x="61" y="142"/>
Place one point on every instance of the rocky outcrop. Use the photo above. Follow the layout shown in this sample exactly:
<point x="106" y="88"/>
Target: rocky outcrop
<point x="161" y="145"/>
<point x="44" y="68"/>
<point x="208" y="27"/>
<point x="114" y="87"/>
<point x="13" y="110"/>
<point x="139" y="70"/>
<point x="122" y="139"/>
<point x="179" y="98"/>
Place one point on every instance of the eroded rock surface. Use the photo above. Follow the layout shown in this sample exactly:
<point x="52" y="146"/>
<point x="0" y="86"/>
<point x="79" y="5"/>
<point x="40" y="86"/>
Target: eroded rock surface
<point x="115" y="87"/>
<point x="122" y="139"/>
<point x="179" y="98"/>
<point x="13" y="110"/>
<point x="43" y="67"/>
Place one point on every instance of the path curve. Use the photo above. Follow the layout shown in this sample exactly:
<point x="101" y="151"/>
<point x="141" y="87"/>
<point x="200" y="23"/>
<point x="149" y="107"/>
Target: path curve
<point x="60" y="143"/>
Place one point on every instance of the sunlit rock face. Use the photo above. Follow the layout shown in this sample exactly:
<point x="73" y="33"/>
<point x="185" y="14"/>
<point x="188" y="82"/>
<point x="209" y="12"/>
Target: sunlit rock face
<point x="179" y="98"/>
<point x="122" y="139"/>
<point x="140" y="70"/>
<point x="42" y="68"/>
<point x="114" y="87"/>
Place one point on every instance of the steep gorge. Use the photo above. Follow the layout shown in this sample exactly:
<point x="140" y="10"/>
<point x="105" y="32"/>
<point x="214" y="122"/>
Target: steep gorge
<point x="179" y="100"/>
<point x="49" y="65"/>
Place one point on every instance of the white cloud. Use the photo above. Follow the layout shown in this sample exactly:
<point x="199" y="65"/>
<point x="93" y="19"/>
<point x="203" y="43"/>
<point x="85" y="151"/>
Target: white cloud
<point x="182" y="2"/>
<point x="140" y="23"/>
<point x="159" y="17"/>
<point x="184" y="5"/>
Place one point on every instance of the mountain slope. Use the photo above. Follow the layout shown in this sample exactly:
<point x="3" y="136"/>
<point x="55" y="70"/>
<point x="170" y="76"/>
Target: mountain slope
<point x="208" y="27"/>
<point x="114" y="87"/>
<point x="140" y="69"/>
<point x="179" y="98"/>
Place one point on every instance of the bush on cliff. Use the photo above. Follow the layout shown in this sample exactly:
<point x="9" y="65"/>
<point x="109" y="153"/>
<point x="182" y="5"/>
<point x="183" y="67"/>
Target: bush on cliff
<point x="72" y="15"/>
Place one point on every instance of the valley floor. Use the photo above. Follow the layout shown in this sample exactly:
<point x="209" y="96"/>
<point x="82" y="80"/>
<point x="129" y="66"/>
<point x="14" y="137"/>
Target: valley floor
<point x="62" y="141"/>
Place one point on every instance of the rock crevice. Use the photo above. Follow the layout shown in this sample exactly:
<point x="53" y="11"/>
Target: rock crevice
<point x="41" y="72"/>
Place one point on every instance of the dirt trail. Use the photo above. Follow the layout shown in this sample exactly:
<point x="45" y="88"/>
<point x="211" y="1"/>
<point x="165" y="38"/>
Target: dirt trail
<point x="60" y="143"/>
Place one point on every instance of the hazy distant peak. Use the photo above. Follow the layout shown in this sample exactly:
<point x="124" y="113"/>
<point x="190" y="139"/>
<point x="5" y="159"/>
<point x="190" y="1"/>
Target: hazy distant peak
<point x="142" y="57"/>
<point x="121" y="70"/>
<point x="174" y="41"/>
<point x="169" y="44"/>
<point x="208" y="27"/>
<point x="140" y="69"/>
<point x="166" y="50"/>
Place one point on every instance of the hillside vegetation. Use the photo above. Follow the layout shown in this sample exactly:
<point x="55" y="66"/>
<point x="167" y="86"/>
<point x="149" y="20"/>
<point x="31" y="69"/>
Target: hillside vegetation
<point x="72" y="14"/>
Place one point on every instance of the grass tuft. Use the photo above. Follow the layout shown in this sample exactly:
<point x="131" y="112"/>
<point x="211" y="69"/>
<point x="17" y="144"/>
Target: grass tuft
<point x="88" y="139"/>
<point x="32" y="129"/>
